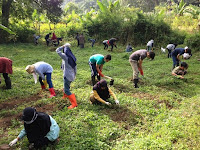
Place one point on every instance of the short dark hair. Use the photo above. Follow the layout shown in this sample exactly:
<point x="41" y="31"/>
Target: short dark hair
<point x="152" y="55"/>
<point x="188" y="51"/>
<point x="175" y="45"/>
<point x="184" y="64"/>
<point x="108" y="57"/>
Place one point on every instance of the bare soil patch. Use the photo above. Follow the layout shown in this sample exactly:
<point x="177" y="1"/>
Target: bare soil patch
<point x="6" y="120"/>
<point x="124" y="116"/>
<point x="145" y="96"/>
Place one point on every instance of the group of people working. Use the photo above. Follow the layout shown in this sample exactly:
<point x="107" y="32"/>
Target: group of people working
<point x="54" y="39"/>
<point x="41" y="128"/>
<point x="137" y="57"/>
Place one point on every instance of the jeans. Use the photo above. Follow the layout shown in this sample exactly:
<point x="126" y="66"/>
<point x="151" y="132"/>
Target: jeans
<point x="175" y="61"/>
<point x="67" y="86"/>
<point x="48" y="78"/>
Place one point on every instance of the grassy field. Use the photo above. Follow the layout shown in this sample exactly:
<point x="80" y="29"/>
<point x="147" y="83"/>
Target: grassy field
<point x="162" y="114"/>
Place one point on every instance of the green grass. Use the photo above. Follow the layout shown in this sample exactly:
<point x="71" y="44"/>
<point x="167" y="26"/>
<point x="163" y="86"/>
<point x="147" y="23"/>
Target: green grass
<point x="162" y="114"/>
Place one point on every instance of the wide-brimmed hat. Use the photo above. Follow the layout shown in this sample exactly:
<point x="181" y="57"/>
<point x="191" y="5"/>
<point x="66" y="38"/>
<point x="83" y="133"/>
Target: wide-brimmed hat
<point x="30" y="69"/>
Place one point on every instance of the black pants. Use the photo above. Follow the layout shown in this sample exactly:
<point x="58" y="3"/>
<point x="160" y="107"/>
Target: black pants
<point x="112" y="44"/>
<point x="105" y="45"/>
<point x="47" y="42"/>
<point x="169" y="53"/>
<point x="5" y="76"/>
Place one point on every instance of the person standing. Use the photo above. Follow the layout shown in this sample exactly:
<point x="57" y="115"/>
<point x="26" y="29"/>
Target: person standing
<point x="77" y="38"/>
<point x="42" y="69"/>
<point x="96" y="63"/>
<point x="6" y="68"/>
<point x="150" y="45"/>
<point x="177" y="53"/>
<point x="81" y="41"/>
<point x="69" y="72"/>
<point x="170" y="48"/>
<point x="40" y="129"/>
<point x="136" y="59"/>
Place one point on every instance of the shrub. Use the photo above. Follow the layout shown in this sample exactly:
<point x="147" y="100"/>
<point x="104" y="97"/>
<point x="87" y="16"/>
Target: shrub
<point x="24" y="34"/>
<point x="193" y="41"/>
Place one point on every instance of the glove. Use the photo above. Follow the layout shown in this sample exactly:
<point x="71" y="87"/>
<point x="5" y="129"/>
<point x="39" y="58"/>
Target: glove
<point x="101" y="74"/>
<point x="107" y="103"/>
<point x="45" y="82"/>
<point x="13" y="142"/>
<point x="141" y="71"/>
<point x="117" y="102"/>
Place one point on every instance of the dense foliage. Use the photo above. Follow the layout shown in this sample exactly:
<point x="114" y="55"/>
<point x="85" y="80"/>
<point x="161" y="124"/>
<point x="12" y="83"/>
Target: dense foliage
<point x="105" y="20"/>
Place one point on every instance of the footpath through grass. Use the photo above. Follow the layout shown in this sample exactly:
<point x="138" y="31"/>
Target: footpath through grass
<point x="162" y="114"/>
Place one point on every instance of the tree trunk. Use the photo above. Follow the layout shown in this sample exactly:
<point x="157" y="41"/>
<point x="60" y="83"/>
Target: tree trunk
<point x="5" y="19"/>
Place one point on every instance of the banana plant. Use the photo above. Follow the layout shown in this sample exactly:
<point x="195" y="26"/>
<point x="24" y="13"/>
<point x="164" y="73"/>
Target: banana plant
<point x="6" y="29"/>
<point x="181" y="8"/>
<point x="193" y="10"/>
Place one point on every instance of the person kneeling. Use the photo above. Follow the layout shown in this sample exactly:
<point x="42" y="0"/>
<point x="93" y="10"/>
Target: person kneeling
<point x="101" y="93"/>
<point x="180" y="71"/>
<point x="40" y="128"/>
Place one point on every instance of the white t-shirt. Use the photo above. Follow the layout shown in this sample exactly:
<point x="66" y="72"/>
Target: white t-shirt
<point x="171" y="47"/>
<point x="150" y="43"/>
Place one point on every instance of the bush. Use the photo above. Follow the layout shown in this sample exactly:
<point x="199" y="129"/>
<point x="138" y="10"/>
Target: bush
<point x="193" y="41"/>
<point x="24" y="34"/>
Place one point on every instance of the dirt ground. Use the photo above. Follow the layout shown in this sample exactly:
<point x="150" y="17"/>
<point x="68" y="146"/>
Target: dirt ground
<point x="11" y="104"/>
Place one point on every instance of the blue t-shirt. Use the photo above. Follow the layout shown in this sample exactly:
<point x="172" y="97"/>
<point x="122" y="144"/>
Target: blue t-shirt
<point x="179" y="51"/>
<point x="97" y="58"/>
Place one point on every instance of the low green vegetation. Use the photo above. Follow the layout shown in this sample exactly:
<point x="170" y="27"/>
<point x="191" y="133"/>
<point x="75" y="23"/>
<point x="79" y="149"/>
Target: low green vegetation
<point x="162" y="114"/>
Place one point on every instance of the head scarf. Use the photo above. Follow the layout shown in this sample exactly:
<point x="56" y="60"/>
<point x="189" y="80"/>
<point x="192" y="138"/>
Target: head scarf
<point x="29" y="115"/>
<point x="103" y="93"/>
<point x="71" y="57"/>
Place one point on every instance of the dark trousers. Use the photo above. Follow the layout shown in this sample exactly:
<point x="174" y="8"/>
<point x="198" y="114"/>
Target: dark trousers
<point x="48" y="78"/>
<point x="105" y="45"/>
<point x="169" y="53"/>
<point x="47" y="42"/>
<point x="112" y="44"/>
<point x="7" y="81"/>
<point x="5" y="76"/>
<point x="175" y="61"/>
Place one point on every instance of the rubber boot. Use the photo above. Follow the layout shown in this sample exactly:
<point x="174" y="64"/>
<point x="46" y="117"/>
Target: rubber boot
<point x="65" y="96"/>
<point x="135" y="83"/>
<point x="93" y="80"/>
<point x="43" y="87"/>
<point x="72" y="99"/>
<point x="51" y="90"/>
<point x="8" y="83"/>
